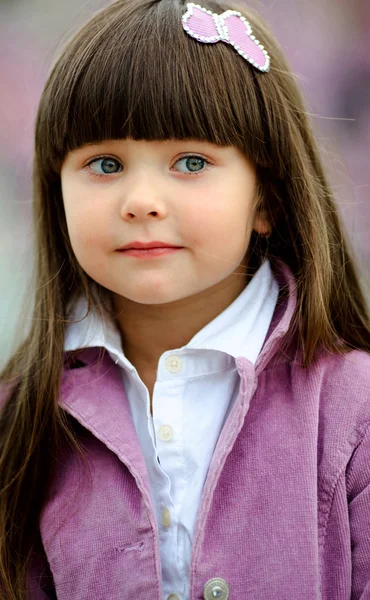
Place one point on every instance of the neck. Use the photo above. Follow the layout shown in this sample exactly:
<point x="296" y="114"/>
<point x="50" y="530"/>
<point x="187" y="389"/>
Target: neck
<point x="147" y="330"/>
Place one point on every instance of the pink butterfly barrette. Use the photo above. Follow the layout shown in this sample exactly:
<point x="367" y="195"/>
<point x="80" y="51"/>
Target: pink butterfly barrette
<point x="230" y="27"/>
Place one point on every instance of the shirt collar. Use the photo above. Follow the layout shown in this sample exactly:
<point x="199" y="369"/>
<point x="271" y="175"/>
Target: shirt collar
<point x="240" y="330"/>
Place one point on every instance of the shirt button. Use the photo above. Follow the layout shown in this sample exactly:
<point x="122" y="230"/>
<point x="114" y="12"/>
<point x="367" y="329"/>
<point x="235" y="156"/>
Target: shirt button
<point x="216" y="588"/>
<point x="165" y="433"/>
<point x="173" y="364"/>
<point x="166" y="518"/>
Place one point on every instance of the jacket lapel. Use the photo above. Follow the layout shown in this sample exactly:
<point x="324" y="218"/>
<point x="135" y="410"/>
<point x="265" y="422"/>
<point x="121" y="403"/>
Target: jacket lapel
<point x="94" y="395"/>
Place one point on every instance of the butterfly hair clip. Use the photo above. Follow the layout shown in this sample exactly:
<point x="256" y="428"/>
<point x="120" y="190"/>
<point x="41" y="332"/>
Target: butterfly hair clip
<point x="230" y="27"/>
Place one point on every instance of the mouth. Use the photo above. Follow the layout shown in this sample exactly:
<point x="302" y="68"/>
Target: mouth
<point x="147" y="245"/>
<point x="150" y="252"/>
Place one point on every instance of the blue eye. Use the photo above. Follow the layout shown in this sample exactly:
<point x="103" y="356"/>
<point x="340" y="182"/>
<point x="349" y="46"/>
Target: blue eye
<point x="108" y="165"/>
<point x="194" y="164"/>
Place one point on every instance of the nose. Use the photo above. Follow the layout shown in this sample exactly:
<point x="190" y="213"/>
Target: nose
<point x="143" y="200"/>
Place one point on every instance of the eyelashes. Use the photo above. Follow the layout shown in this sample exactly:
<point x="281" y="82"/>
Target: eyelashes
<point x="110" y="161"/>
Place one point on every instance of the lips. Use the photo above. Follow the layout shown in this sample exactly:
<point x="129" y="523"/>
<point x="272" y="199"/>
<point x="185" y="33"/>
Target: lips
<point x="147" y="245"/>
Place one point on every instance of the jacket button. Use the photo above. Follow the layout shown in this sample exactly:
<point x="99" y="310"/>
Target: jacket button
<point x="216" y="588"/>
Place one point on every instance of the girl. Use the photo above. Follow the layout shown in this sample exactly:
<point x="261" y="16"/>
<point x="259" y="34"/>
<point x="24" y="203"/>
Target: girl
<point x="192" y="421"/>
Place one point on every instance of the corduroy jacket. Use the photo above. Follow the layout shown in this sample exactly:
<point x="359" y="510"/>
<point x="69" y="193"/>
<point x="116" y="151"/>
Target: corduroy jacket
<point x="285" y="509"/>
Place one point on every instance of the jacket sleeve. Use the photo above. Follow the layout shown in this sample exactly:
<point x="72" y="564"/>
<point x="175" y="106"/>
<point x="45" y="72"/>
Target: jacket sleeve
<point x="358" y="494"/>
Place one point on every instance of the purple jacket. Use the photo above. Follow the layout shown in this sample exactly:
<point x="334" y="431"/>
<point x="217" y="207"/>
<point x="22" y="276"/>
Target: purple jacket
<point x="285" y="510"/>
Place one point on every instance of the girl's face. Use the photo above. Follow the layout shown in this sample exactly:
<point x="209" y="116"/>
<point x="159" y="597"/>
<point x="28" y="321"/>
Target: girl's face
<point x="192" y="194"/>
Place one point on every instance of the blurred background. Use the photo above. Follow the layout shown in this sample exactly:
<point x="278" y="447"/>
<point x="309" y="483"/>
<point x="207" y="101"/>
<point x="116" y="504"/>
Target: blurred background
<point x="327" y="43"/>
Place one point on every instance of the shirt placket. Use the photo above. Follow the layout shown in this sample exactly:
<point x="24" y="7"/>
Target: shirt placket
<point x="168" y="397"/>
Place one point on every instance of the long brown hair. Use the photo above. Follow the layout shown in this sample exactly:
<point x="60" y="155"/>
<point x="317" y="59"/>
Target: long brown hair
<point x="132" y="72"/>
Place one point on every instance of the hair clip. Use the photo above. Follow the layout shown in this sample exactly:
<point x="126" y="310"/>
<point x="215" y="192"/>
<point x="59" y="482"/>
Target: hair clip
<point x="230" y="27"/>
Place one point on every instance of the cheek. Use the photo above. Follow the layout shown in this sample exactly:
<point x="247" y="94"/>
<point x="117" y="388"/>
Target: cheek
<point x="87" y="227"/>
<point x="87" y="244"/>
<point x="80" y="231"/>
<point x="84" y="224"/>
<point x="219" y="223"/>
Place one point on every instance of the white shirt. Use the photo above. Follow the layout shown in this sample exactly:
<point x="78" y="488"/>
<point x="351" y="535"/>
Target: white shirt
<point x="195" y="389"/>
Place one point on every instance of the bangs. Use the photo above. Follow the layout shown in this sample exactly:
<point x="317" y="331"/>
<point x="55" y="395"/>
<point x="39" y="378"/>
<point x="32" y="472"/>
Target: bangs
<point x="132" y="72"/>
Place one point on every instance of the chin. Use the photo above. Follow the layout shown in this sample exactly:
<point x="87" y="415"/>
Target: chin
<point x="155" y="297"/>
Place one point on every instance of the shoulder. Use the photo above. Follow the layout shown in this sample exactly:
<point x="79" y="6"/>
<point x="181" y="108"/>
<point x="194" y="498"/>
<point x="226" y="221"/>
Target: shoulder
<point x="342" y="384"/>
<point x="349" y="373"/>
